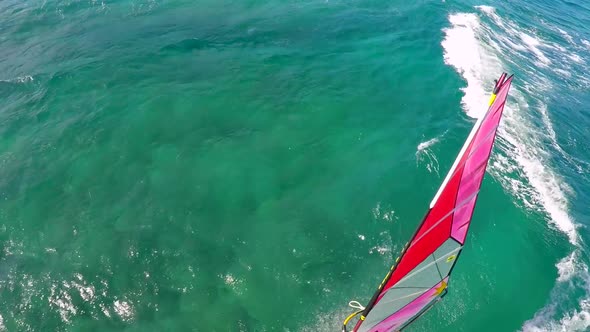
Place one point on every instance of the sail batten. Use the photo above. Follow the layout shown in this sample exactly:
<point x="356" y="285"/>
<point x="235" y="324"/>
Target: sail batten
<point x="420" y="277"/>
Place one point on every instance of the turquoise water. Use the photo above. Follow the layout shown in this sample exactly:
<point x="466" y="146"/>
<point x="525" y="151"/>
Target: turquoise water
<point x="254" y="165"/>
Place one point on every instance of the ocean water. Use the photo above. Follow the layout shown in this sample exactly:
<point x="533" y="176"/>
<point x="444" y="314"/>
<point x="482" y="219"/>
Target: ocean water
<point x="173" y="165"/>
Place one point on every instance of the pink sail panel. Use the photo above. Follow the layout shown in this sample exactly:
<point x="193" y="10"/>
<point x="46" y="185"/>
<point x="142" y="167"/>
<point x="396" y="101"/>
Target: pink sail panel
<point x="421" y="274"/>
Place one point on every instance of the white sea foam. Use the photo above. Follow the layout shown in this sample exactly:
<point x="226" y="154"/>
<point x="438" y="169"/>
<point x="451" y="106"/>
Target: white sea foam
<point x="515" y="39"/>
<point x="425" y="154"/>
<point x="491" y="12"/>
<point x="62" y="301"/>
<point x="63" y="296"/>
<point x="87" y="292"/>
<point x="572" y="274"/>
<point x="380" y="214"/>
<point x="462" y="50"/>
<point x="563" y="73"/>
<point x="384" y="248"/>
<point x="2" y="327"/>
<point x="576" y="58"/>
<point x="566" y="36"/>
<point x="523" y="167"/>
<point x="577" y="321"/>
<point x="534" y="45"/>
<point x="124" y="309"/>
<point x="487" y="9"/>
<point x="105" y="310"/>
<point x="566" y="268"/>
<point x="549" y="189"/>
<point x="20" y="79"/>
<point x="427" y="144"/>
<point x="234" y="283"/>
<point x="579" y="165"/>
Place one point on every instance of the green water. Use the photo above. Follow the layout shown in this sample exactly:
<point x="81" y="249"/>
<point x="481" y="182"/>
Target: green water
<point x="239" y="166"/>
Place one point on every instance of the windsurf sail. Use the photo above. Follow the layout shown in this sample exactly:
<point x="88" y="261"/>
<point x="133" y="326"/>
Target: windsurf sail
<point x="420" y="276"/>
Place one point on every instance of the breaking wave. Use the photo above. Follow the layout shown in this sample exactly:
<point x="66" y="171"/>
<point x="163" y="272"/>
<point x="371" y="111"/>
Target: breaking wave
<point x="523" y="167"/>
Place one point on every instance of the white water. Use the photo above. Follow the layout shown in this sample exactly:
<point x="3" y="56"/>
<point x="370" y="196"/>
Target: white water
<point x="20" y="79"/>
<point x="523" y="167"/>
<point x="573" y="274"/>
<point x="424" y="154"/>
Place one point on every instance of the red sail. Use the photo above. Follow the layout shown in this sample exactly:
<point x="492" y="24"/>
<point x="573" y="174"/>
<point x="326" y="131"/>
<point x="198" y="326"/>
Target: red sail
<point x="420" y="277"/>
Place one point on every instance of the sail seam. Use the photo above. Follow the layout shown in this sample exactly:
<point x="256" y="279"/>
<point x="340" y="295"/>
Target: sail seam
<point x="463" y="203"/>
<point x="437" y="268"/>
<point x="427" y="265"/>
